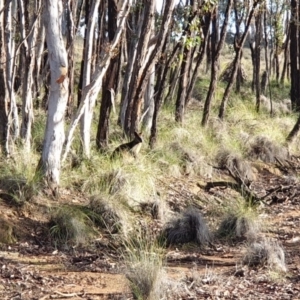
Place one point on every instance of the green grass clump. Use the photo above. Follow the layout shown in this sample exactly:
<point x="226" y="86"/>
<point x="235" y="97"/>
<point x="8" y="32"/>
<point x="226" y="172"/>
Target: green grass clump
<point x="144" y="260"/>
<point x="70" y="225"/>
<point x="241" y="221"/>
<point x="19" y="179"/>
<point x="111" y="213"/>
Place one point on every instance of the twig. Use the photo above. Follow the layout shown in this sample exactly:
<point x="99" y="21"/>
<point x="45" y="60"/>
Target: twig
<point x="64" y="295"/>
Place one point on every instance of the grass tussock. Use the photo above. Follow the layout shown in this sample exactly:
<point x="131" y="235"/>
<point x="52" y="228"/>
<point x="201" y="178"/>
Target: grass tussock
<point x="157" y="209"/>
<point x="111" y="214"/>
<point x="189" y="226"/>
<point x="144" y="268"/>
<point x="241" y="221"/>
<point x="70" y="225"/>
<point x="235" y="164"/>
<point x="266" y="252"/>
<point x="262" y="148"/>
<point x="19" y="180"/>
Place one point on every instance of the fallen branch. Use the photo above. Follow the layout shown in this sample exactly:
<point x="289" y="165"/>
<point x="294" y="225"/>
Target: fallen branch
<point x="242" y="189"/>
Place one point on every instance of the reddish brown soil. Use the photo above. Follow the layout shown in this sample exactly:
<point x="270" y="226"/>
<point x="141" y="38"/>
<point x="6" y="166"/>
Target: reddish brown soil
<point x="32" y="268"/>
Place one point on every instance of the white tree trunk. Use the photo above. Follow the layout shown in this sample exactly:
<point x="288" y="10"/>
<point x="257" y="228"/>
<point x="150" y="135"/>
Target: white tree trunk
<point x="91" y="91"/>
<point x="39" y="55"/>
<point x="87" y="116"/>
<point x="13" y="119"/>
<point x="54" y="134"/>
<point x="149" y="102"/>
<point x="27" y="103"/>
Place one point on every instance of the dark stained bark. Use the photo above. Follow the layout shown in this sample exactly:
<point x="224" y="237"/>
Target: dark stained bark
<point x="161" y="37"/>
<point x="184" y="73"/>
<point x="215" y="64"/>
<point x="257" y="58"/>
<point x="110" y="82"/>
<point x="162" y="70"/>
<point x="295" y="65"/>
<point x="201" y="53"/>
<point x="71" y="24"/>
<point x="266" y="44"/>
<point x="253" y="59"/>
<point x="238" y="53"/>
<point x="81" y="76"/>
<point x="294" y="56"/>
<point x="133" y="104"/>
<point x="286" y="55"/>
<point x="132" y="113"/>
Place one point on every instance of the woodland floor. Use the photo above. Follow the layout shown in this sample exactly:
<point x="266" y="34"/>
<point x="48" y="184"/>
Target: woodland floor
<point x="32" y="268"/>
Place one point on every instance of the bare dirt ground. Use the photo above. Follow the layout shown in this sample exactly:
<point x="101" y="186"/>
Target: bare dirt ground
<point x="32" y="267"/>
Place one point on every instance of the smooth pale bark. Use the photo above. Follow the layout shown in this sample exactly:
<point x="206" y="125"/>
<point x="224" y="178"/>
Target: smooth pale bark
<point x="86" y="119"/>
<point x="54" y="134"/>
<point x="149" y="103"/>
<point x="39" y="59"/>
<point x="29" y="44"/>
<point x="12" y="128"/>
<point x="91" y="91"/>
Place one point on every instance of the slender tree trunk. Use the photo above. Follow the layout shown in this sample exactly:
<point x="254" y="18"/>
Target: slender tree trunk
<point x="110" y="81"/>
<point x="71" y="22"/>
<point x="50" y="163"/>
<point x="151" y="60"/>
<point x="143" y="41"/>
<point x="86" y="119"/>
<point x="201" y="53"/>
<point x="257" y="60"/>
<point x="91" y="91"/>
<point x="184" y="71"/>
<point x="149" y="102"/>
<point x="13" y="128"/>
<point x="286" y="56"/>
<point x="82" y="64"/>
<point x="130" y="62"/>
<point x="28" y="84"/>
<point x="238" y="53"/>
<point x="3" y="96"/>
<point x="215" y="67"/>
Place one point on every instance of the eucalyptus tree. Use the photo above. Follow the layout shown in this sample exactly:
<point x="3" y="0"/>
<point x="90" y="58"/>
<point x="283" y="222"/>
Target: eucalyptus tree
<point x="91" y="91"/>
<point x="239" y="43"/>
<point x="186" y="60"/>
<point x="295" y="54"/>
<point x="50" y="163"/>
<point x="9" y="59"/>
<point x="215" y="58"/>
<point x="110" y="81"/>
<point x="295" y="65"/>
<point x="30" y="28"/>
<point x="258" y="39"/>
